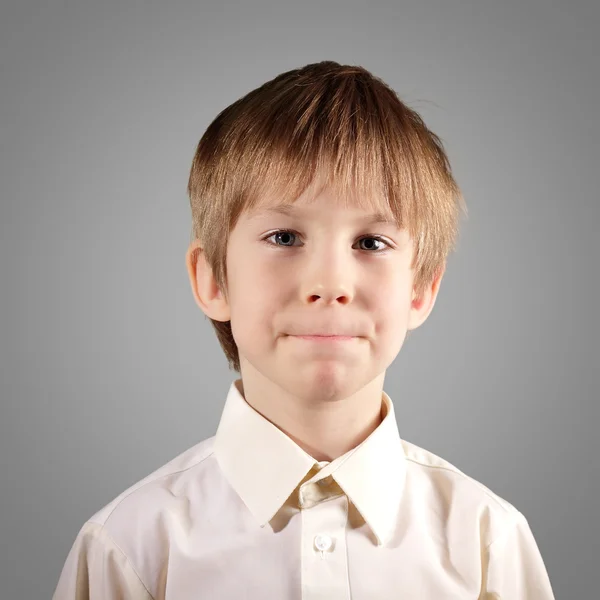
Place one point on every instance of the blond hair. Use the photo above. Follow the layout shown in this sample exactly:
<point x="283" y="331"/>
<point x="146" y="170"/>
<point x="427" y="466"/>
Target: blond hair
<point x="328" y="120"/>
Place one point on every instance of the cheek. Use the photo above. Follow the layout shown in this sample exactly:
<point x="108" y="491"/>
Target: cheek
<point x="264" y="284"/>
<point x="256" y="298"/>
<point x="391" y="322"/>
<point x="390" y="307"/>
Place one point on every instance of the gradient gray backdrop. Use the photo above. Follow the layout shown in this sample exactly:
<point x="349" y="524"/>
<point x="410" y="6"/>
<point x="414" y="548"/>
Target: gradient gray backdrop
<point x="108" y="369"/>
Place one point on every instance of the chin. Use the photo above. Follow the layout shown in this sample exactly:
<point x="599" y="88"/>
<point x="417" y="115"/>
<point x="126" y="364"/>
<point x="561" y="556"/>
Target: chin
<point x="328" y="382"/>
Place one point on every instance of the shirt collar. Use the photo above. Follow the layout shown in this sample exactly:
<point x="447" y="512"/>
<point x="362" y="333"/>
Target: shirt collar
<point x="264" y="465"/>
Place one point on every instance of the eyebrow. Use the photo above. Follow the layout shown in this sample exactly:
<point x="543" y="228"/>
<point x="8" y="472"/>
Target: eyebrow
<point x="289" y="210"/>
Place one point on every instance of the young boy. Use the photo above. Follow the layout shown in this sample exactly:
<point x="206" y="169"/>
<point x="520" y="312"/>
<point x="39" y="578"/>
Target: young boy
<point x="323" y="214"/>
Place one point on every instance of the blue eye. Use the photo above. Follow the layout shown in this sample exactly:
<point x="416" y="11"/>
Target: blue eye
<point x="286" y="234"/>
<point x="282" y="233"/>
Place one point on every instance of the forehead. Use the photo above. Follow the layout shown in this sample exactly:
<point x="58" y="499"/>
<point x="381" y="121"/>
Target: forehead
<point x="359" y="215"/>
<point x="347" y="205"/>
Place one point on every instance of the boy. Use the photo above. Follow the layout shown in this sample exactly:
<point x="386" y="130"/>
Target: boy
<point x="307" y="490"/>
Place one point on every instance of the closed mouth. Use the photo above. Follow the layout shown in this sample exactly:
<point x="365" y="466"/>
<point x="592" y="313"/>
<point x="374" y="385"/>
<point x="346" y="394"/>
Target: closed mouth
<point x="325" y="337"/>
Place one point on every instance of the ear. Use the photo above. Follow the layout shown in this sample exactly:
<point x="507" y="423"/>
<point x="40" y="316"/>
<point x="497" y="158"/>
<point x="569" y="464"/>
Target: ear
<point x="204" y="286"/>
<point x="421" y="308"/>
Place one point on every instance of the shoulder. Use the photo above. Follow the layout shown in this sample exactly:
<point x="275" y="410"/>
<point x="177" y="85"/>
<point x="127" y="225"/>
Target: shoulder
<point x="142" y="519"/>
<point x="152" y="493"/>
<point x="130" y="535"/>
<point x="441" y="487"/>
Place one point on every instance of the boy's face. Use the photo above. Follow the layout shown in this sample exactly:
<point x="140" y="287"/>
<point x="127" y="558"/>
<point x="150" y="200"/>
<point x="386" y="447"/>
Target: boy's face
<point x="328" y="276"/>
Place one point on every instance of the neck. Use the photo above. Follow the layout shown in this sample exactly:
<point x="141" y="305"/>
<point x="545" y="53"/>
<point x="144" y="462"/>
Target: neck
<point x="324" y="429"/>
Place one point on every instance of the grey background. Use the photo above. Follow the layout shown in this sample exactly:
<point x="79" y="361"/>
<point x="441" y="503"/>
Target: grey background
<point x="107" y="367"/>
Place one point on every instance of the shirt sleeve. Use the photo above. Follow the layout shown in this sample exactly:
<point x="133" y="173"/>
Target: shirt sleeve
<point x="97" y="569"/>
<point x="514" y="568"/>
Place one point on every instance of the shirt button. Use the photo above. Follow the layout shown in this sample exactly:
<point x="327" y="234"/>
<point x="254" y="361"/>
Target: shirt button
<point x="323" y="542"/>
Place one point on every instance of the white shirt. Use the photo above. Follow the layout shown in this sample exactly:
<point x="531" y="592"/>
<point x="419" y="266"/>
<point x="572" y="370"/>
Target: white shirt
<point x="248" y="514"/>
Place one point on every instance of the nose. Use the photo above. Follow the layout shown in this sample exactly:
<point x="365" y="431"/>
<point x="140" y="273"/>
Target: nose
<point x="327" y="276"/>
<point x="329" y="295"/>
<point x="329" y="286"/>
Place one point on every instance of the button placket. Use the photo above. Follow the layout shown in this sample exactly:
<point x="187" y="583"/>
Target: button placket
<point x="324" y="555"/>
<point x="323" y="542"/>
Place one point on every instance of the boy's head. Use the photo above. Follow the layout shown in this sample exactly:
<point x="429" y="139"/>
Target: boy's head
<point x="331" y="145"/>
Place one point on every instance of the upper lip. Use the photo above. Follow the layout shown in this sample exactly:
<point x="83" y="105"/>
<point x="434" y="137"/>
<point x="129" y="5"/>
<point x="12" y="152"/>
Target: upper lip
<point x="325" y="334"/>
<point x="326" y="328"/>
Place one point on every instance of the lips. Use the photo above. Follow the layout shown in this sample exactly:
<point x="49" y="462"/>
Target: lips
<point x="318" y="335"/>
<point x="323" y="339"/>
<point x="323" y="335"/>
<point x="326" y="328"/>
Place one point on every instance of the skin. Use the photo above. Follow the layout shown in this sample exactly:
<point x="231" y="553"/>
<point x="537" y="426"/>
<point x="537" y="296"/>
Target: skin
<point x="329" y="274"/>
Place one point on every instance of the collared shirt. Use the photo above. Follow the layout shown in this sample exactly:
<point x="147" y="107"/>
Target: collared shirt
<point x="249" y="514"/>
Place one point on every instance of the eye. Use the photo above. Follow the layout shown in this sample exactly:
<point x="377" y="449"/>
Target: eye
<point x="287" y="236"/>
